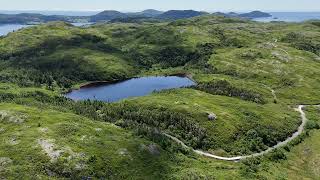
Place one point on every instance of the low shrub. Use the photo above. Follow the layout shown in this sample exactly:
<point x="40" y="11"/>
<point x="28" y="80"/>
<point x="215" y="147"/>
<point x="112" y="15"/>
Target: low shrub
<point x="223" y="87"/>
<point x="277" y="155"/>
<point x="312" y="125"/>
<point x="302" y="42"/>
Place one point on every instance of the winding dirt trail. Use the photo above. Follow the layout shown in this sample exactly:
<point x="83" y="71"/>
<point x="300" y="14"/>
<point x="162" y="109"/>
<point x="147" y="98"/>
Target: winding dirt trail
<point x="238" y="158"/>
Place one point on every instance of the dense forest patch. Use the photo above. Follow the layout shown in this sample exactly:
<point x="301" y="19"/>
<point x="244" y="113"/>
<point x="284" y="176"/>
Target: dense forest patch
<point x="223" y="87"/>
<point x="240" y="68"/>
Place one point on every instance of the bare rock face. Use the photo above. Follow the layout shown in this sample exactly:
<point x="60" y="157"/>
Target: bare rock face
<point x="98" y="129"/>
<point x="282" y="56"/>
<point x="13" y="141"/>
<point x="12" y="117"/>
<point x="153" y="149"/>
<point x="50" y="149"/>
<point x="4" y="161"/>
<point x="212" y="116"/>
<point x="3" y="114"/>
<point x="123" y="152"/>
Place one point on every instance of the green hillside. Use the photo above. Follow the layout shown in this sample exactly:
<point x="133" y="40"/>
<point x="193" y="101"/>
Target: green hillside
<point x="251" y="75"/>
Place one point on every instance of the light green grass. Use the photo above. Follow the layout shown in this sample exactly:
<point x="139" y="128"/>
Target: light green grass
<point x="250" y="55"/>
<point x="100" y="149"/>
<point x="235" y="117"/>
<point x="302" y="160"/>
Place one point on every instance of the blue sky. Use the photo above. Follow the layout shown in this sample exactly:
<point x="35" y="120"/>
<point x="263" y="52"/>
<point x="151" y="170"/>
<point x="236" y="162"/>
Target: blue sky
<point x="133" y="5"/>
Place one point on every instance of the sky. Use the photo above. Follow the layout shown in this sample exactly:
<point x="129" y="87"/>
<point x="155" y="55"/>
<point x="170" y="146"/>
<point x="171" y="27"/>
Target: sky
<point x="136" y="5"/>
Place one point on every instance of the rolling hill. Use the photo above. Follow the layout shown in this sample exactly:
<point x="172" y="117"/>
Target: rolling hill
<point x="180" y="14"/>
<point x="107" y="15"/>
<point x="146" y="13"/>
<point x="251" y="75"/>
<point x="255" y="14"/>
<point x="31" y="18"/>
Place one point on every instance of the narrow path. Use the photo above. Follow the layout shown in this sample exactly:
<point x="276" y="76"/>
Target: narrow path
<point x="273" y="92"/>
<point x="237" y="158"/>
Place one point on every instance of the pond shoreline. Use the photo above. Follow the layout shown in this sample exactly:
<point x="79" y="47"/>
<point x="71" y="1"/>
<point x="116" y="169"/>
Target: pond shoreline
<point x="129" y="87"/>
<point x="97" y="83"/>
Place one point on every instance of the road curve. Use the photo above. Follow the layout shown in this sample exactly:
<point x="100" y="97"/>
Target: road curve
<point x="238" y="158"/>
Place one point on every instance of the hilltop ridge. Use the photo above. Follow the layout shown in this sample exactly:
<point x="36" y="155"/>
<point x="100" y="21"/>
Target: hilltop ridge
<point x="249" y="79"/>
<point x="104" y="16"/>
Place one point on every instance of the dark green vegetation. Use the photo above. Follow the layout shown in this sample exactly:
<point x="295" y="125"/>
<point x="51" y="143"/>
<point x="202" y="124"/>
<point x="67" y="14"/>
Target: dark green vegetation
<point x="111" y="15"/>
<point x="223" y="87"/>
<point x="30" y="18"/>
<point x="177" y="14"/>
<point x="107" y="15"/>
<point x="84" y="148"/>
<point x="235" y="62"/>
<point x="302" y="42"/>
<point x="297" y="160"/>
<point x="255" y="14"/>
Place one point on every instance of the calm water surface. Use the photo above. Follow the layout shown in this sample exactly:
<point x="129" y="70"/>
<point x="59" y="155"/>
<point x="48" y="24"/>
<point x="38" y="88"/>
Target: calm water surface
<point x="130" y="88"/>
<point x="7" y="28"/>
<point x="290" y="16"/>
<point x="276" y="16"/>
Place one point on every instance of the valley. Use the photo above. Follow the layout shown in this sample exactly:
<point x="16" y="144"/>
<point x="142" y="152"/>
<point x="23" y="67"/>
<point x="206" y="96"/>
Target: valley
<point x="250" y="78"/>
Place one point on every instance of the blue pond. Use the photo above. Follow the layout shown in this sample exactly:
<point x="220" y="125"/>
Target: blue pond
<point x="130" y="88"/>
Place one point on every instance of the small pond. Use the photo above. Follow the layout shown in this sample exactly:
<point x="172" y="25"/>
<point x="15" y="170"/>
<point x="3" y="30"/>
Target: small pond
<point x="112" y="92"/>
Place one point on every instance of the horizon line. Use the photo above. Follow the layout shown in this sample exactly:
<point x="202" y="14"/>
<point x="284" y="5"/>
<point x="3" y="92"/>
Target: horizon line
<point x="128" y="11"/>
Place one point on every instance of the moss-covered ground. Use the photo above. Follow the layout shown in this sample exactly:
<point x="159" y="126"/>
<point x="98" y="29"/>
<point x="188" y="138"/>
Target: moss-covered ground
<point x="44" y="137"/>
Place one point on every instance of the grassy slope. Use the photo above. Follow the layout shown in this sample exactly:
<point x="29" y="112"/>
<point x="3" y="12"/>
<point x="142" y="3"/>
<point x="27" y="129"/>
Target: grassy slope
<point x="34" y="36"/>
<point x="262" y="60"/>
<point x="90" y="148"/>
<point x="97" y="146"/>
<point x="303" y="160"/>
<point x="11" y="88"/>
<point x="92" y="143"/>
<point x="235" y="117"/>
<point x="63" y="51"/>
<point x="272" y="71"/>
<point x="92" y="64"/>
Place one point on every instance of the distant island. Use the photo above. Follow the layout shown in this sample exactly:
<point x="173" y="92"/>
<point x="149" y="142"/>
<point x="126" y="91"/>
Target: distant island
<point x="255" y="14"/>
<point x="172" y="95"/>
<point x="181" y="14"/>
<point x="108" y="15"/>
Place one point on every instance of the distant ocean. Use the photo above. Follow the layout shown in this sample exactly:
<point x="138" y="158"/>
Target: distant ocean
<point x="290" y="16"/>
<point x="276" y="16"/>
<point x="8" y="28"/>
<point x="48" y="13"/>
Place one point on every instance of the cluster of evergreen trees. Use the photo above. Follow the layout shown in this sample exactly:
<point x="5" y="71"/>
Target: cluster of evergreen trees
<point x="164" y="119"/>
<point x="144" y="120"/>
<point x="302" y="42"/>
<point x="33" y="66"/>
<point x="151" y="122"/>
<point x="50" y="44"/>
<point x="226" y="40"/>
<point x="223" y="87"/>
<point x="174" y="56"/>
